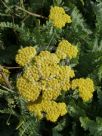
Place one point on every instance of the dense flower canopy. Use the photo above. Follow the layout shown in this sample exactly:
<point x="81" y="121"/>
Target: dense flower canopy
<point x="45" y="79"/>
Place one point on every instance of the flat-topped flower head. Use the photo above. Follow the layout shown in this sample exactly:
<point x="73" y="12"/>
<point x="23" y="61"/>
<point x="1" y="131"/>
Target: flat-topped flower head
<point x="66" y="49"/>
<point x="85" y="87"/>
<point x="51" y="109"/>
<point x="25" y="55"/>
<point x="59" y="17"/>
<point x="28" y="90"/>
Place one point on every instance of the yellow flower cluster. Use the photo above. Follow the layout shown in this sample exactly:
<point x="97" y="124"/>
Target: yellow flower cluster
<point x="59" y="17"/>
<point x="49" y="109"/>
<point x="66" y="49"/>
<point x="6" y="72"/>
<point x="46" y="79"/>
<point x="85" y="87"/>
<point x="25" y="55"/>
<point x="45" y="75"/>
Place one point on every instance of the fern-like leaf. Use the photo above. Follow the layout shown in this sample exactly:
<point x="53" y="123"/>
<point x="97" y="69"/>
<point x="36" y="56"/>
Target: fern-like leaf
<point x="79" y="26"/>
<point x="28" y="126"/>
<point x="95" y="127"/>
<point x="98" y="13"/>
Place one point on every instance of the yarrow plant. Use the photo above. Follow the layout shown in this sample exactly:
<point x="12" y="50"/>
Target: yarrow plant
<point x="51" y="68"/>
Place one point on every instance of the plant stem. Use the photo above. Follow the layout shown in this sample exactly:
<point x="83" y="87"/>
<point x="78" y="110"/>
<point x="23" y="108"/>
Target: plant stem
<point x="30" y="13"/>
<point x="11" y="67"/>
